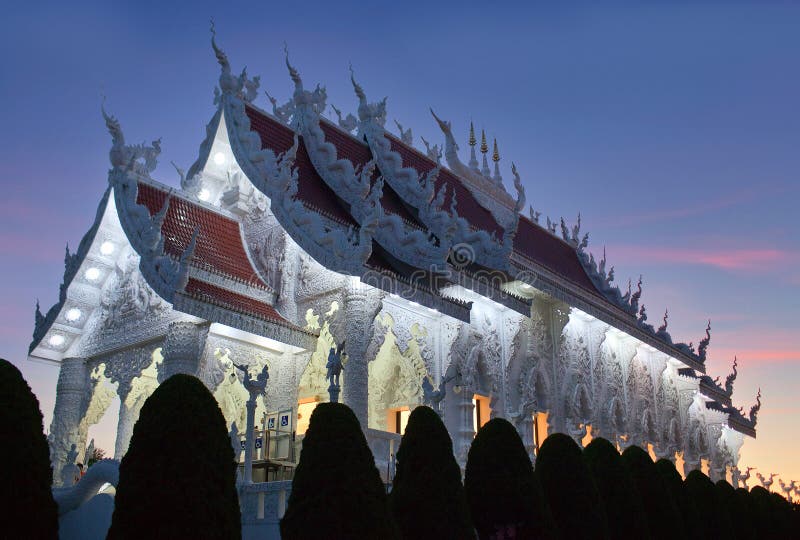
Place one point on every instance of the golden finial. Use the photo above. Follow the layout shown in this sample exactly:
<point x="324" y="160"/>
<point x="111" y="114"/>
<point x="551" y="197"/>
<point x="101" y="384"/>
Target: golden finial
<point x="472" y="140"/>
<point x="484" y="146"/>
<point x="495" y="154"/>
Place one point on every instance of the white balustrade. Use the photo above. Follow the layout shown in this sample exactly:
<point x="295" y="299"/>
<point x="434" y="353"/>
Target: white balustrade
<point x="263" y="505"/>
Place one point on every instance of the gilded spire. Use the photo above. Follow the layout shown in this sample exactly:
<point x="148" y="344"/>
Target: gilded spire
<point x="484" y="146"/>
<point x="495" y="153"/>
<point x="473" y="160"/>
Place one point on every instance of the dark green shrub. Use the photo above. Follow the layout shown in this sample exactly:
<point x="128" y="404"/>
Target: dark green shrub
<point x="702" y="494"/>
<point x="337" y="491"/>
<point x="28" y="508"/>
<point x="177" y="479"/>
<point x="738" y="513"/>
<point x="761" y="504"/>
<point x="745" y="515"/>
<point x="503" y="493"/>
<point x="428" y="499"/>
<point x="570" y="489"/>
<point x="782" y="514"/>
<point x="673" y="482"/>
<point x="620" y="496"/>
<point x="662" y="513"/>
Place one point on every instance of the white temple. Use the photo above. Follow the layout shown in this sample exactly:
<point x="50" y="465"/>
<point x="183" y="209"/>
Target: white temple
<point x="292" y="234"/>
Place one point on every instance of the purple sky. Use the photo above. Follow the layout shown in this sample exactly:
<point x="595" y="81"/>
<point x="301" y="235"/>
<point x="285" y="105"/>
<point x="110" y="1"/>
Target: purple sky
<point x="673" y="128"/>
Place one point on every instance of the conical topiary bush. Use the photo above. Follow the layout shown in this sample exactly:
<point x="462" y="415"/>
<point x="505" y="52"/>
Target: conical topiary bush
<point x="28" y="508"/>
<point x="503" y="493"/>
<point x="337" y="491"/>
<point x="662" y="513"/>
<point x="702" y="494"/>
<point x="178" y="478"/>
<point x="738" y="513"/>
<point x="673" y="482"/>
<point x="428" y="499"/>
<point x="620" y="496"/>
<point x="570" y="489"/>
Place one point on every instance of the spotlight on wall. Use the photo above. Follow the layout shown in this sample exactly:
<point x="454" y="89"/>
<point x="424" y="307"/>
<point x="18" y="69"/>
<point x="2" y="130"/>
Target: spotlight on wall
<point x="73" y="314"/>
<point x="107" y="248"/>
<point x="92" y="274"/>
<point x="56" y="340"/>
<point x="220" y="158"/>
<point x="204" y="195"/>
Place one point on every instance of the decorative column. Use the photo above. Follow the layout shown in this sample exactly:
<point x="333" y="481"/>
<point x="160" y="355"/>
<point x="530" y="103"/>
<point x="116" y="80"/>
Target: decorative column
<point x="716" y="470"/>
<point x="125" y="422"/>
<point x="735" y="476"/>
<point x="255" y="387"/>
<point x="126" y="369"/>
<point x="690" y="464"/>
<point x="73" y="384"/>
<point x="289" y="268"/>
<point x="526" y="429"/>
<point x="361" y="306"/>
<point x="466" y="432"/>
<point x="182" y="349"/>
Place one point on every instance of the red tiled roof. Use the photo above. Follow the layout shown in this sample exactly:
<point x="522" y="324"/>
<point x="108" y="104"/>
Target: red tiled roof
<point x="219" y="246"/>
<point x="468" y="207"/>
<point x="359" y="154"/>
<point x="312" y="190"/>
<point x="233" y="301"/>
<point x="539" y="245"/>
<point x="531" y="241"/>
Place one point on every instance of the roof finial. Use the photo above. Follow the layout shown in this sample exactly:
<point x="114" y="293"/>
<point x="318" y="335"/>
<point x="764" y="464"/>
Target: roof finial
<point x="473" y="160"/>
<point x="497" y="179"/>
<point x="298" y="82"/>
<point x="703" y="346"/>
<point x="755" y="408"/>
<point x="362" y="97"/>
<point x="634" y="301"/>
<point x="663" y="327"/>
<point x="484" y="150"/>
<point x="730" y="379"/>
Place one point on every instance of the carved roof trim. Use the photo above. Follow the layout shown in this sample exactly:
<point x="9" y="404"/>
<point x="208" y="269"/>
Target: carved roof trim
<point x="72" y="264"/>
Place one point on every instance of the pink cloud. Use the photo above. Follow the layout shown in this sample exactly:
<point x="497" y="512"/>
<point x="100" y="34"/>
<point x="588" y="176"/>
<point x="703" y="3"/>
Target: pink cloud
<point x="749" y="260"/>
<point x="725" y="201"/>
<point x="757" y="355"/>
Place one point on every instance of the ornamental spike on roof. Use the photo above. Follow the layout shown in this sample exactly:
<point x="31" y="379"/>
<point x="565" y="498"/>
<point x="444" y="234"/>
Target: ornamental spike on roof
<point x="325" y="175"/>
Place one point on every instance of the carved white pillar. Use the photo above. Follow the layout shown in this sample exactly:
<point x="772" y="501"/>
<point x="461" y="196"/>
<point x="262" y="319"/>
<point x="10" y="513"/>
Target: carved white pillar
<point x="361" y="306"/>
<point x="526" y="428"/>
<point x="125" y="369"/>
<point x="182" y="349"/>
<point x="467" y="431"/>
<point x="735" y="476"/>
<point x="691" y="464"/>
<point x="716" y="470"/>
<point x="249" y="440"/>
<point x="73" y="384"/>
<point x="290" y="263"/>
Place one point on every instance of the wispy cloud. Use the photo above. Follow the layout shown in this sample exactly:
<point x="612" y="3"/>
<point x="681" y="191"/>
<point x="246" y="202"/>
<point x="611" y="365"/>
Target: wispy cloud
<point x="745" y="260"/>
<point x="727" y="200"/>
<point x="759" y="356"/>
<point x="756" y="344"/>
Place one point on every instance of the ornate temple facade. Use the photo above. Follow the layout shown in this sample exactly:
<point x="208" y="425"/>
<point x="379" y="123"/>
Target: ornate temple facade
<point x="294" y="233"/>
